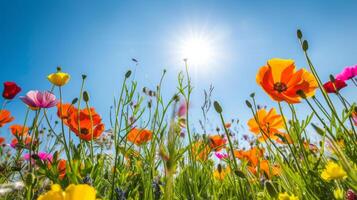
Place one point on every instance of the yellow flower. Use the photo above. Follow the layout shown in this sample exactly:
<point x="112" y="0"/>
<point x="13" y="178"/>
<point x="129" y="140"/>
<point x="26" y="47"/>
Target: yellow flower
<point x="59" y="78"/>
<point x="55" y="193"/>
<point x="220" y="173"/>
<point x="333" y="171"/>
<point x="81" y="191"/>
<point x="73" y="192"/>
<point x="286" y="196"/>
<point x="338" y="193"/>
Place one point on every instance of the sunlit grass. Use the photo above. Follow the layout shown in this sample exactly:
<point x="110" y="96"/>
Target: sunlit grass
<point x="149" y="150"/>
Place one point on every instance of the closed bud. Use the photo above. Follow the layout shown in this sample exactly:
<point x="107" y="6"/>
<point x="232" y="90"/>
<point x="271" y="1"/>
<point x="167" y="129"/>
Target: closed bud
<point x="127" y="74"/>
<point x="305" y="45"/>
<point x="217" y="107"/>
<point x="74" y="101"/>
<point x="30" y="179"/>
<point x="35" y="156"/>
<point x="248" y="104"/>
<point x="85" y="96"/>
<point x="149" y="104"/>
<point x="252" y="95"/>
<point x="145" y="90"/>
<point x="219" y="168"/>
<point x="59" y="69"/>
<point x="176" y="98"/>
<point x="332" y="78"/>
<point x="84" y="76"/>
<point x="299" y="33"/>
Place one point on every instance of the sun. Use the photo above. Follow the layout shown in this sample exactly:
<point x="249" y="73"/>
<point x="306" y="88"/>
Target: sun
<point x="197" y="49"/>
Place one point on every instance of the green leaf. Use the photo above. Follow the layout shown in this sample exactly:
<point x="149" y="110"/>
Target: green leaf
<point x="319" y="130"/>
<point x="271" y="189"/>
<point x="239" y="174"/>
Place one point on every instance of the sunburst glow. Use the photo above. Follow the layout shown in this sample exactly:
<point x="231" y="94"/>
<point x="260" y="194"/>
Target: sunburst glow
<point x="197" y="49"/>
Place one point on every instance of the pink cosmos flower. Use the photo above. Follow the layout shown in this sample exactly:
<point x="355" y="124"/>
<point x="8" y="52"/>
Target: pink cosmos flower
<point x="182" y="109"/>
<point x="221" y="155"/>
<point x="42" y="156"/>
<point x="347" y="73"/>
<point x="36" y="99"/>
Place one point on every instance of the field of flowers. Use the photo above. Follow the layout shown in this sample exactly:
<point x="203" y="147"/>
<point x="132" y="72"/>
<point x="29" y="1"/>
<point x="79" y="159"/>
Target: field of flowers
<point x="149" y="151"/>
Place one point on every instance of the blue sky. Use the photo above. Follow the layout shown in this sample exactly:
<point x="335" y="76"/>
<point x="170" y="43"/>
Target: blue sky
<point x="99" y="38"/>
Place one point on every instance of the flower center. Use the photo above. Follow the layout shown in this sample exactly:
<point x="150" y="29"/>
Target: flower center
<point x="84" y="131"/>
<point x="280" y="87"/>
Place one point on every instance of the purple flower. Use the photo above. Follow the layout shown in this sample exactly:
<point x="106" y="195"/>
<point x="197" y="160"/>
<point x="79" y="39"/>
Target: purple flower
<point x="221" y="155"/>
<point x="347" y="73"/>
<point x="36" y="99"/>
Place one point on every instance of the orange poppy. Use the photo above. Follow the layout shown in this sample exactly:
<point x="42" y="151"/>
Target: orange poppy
<point x="228" y="125"/>
<point x="266" y="169"/>
<point x="67" y="110"/>
<point x="200" y="151"/>
<point x="5" y="117"/>
<point x="19" y="130"/>
<point x="2" y="140"/>
<point x="139" y="136"/>
<point x="26" y="141"/>
<point x="86" y="125"/>
<point x="251" y="156"/>
<point x="268" y="125"/>
<point x="217" y="142"/>
<point x="281" y="81"/>
<point x="288" y="139"/>
<point x="61" y="167"/>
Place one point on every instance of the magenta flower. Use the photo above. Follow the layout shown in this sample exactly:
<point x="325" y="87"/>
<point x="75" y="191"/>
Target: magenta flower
<point x="347" y="73"/>
<point x="182" y="109"/>
<point x="221" y="155"/>
<point x="36" y="99"/>
<point x="41" y="155"/>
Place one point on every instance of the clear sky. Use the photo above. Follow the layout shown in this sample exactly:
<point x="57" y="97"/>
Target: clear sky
<point x="99" y="38"/>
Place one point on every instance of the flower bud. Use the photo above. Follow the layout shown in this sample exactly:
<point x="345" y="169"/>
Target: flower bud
<point x="30" y="179"/>
<point x="127" y="74"/>
<point x="248" y="104"/>
<point x="332" y="78"/>
<point x="219" y="168"/>
<point x="74" y="101"/>
<point x="85" y="96"/>
<point x="217" y="107"/>
<point x="305" y="45"/>
<point x="299" y="33"/>
<point x="84" y="76"/>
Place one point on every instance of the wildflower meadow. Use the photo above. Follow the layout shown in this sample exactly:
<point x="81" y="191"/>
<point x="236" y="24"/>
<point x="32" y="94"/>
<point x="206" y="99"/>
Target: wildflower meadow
<point x="149" y="149"/>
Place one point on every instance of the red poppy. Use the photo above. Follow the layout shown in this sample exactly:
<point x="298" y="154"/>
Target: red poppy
<point x="65" y="110"/>
<point x="2" y="140"/>
<point x="11" y="89"/>
<point x="333" y="87"/>
<point x="87" y="125"/>
<point x="61" y="167"/>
